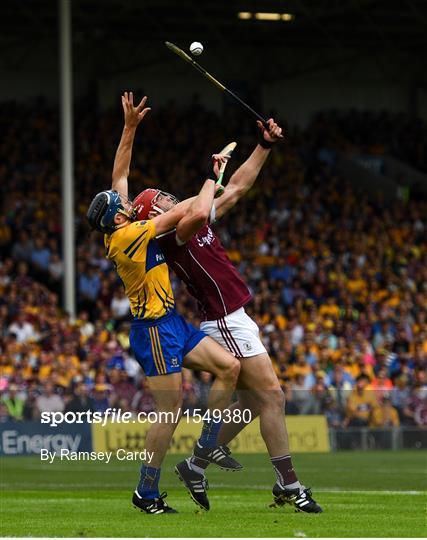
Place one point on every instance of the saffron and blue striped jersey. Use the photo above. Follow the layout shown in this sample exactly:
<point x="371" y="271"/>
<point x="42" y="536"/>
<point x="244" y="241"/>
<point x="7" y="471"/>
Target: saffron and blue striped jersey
<point x="141" y="266"/>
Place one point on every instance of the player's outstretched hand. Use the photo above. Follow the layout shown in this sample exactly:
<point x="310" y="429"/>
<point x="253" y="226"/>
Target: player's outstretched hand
<point x="271" y="135"/>
<point x="214" y="165"/>
<point x="133" y="115"/>
<point x="218" y="160"/>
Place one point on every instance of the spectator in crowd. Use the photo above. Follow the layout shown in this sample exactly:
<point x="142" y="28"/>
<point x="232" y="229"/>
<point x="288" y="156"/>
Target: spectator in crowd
<point x="81" y="401"/>
<point x="400" y="394"/>
<point x="23" y="247"/>
<point x="5" y="236"/>
<point x="290" y="405"/>
<point x="4" y="414"/>
<point x="55" y="269"/>
<point x="40" y="255"/>
<point x="48" y="401"/>
<point x="385" y="415"/>
<point x="381" y="384"/>
<point x="321" y="394"/>
<point x="120" y="305"/>
<point x="86" y="327"/>
<point x="30" y="407"/>
<point x="415" y="410"/>
<point x="121" y="386"/>
<point x="89" y="284"/>
<point x="302" y="396"/>
<point x="334" y="413"/>
<point x="22" y="329"/>
<point x="361" y="404"/>
<point x="100" y="400"/>
<point x="13" y="403"/>
<point x="341" y="386"/>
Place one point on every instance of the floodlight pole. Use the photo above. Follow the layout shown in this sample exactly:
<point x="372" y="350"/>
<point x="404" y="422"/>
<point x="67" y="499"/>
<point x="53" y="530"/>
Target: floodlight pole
<point x="67" y="173"/>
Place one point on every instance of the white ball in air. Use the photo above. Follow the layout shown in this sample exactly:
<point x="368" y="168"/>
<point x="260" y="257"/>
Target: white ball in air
<point x="196" y="48"/>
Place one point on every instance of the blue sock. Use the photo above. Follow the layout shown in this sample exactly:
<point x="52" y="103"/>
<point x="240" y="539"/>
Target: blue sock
<point x="148" y="486"/>
<point x="210" y="431"/>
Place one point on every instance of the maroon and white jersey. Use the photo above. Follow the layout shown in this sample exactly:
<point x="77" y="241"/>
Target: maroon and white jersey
<point x="203" y="265"/>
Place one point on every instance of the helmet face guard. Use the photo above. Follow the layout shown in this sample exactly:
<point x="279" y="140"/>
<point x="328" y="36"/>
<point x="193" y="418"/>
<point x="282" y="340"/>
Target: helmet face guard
<point x="152" y="200"/>
<point x="103" y="210"/>
<point x="156" y="203"/>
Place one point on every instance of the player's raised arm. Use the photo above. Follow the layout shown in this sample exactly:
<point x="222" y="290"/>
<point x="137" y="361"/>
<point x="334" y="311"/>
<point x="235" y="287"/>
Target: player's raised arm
<point x="198" y="214"/>
<point x="244" y="177"/>
<point x="188" y="217"/>
<point x="132" y="117"/>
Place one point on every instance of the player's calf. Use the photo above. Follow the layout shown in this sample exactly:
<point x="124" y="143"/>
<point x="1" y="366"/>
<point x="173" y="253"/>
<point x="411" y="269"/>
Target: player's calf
<point x="210" y="356"/>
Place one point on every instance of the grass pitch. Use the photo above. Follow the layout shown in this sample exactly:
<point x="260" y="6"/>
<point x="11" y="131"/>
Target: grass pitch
<point x="363" y="494"/>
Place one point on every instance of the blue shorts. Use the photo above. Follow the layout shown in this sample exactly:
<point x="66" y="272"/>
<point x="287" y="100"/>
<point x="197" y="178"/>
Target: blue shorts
<point x="160" y="345"/>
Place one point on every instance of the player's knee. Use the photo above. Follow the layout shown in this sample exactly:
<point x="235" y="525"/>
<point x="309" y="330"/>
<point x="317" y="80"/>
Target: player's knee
<point x="273" y="399"/>
<point x="279" y="399"/>
<point x="255" y="409"/>
<point x="230" y="372"/>
<point x="172" y="404"/>
<point x="235" y="370"/>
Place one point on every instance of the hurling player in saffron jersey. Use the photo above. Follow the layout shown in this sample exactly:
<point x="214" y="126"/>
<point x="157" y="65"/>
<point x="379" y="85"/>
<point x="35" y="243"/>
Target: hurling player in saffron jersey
<point x="161" y="339"/>
<point x="200" y="260"/>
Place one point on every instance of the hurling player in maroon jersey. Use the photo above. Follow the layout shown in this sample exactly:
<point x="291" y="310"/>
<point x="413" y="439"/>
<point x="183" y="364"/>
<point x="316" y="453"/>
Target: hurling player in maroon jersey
<point x="200" y="260"/>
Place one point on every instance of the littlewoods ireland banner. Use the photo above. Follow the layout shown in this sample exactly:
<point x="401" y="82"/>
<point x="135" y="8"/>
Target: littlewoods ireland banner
<point x="306" y="434"/>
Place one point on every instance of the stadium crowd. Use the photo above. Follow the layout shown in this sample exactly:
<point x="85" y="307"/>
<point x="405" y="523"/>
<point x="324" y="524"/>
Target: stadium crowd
<point x="375" y="133"/>
<point x="338" y="279"/>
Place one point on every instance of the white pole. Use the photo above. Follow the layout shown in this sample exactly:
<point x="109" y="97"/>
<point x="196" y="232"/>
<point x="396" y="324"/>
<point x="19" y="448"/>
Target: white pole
<point x="67" y="173"/>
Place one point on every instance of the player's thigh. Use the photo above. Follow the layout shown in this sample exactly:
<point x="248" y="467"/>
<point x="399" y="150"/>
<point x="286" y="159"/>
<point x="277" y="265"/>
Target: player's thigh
<point x="166" y="390"/>
<point x="257" y="372"/>
<point x="258" y="382"/>
<point x="208" y="355"/>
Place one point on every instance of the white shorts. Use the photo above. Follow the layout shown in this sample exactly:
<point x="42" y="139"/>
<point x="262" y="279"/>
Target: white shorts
<point x="237" y="333"/>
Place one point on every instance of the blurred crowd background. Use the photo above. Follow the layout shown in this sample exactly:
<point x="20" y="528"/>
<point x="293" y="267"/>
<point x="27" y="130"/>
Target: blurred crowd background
<point x="339" y="279"/>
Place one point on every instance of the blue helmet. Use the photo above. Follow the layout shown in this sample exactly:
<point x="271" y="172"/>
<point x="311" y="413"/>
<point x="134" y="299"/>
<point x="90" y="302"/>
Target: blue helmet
<point x="103" y="209"/>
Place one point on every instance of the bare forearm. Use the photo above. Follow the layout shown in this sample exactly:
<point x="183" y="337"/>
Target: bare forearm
<point x="167" y="221"/>
<point x="244" y="177"/>
<point x="185" y="205"/>
<point x="241" y="181"/>
<point x="132" y="116"/>
<point x="198" y="213"/>
<point x="202" y="204"/>
<point x="123" y="155"/>
<point x="180" y="210"/>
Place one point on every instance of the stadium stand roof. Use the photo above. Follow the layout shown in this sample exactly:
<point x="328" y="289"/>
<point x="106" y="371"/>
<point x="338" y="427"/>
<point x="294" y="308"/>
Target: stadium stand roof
<point x="326" y="32"/>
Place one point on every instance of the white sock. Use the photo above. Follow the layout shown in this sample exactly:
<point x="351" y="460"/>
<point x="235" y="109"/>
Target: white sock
<point x="294" y="485"/>
<point x="195" y="468"/>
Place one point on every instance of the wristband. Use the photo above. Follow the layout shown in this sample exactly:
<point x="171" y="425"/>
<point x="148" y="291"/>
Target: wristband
<point x="262" y="142"/>
<point x="210" y="173"/>
<point x="212" y="217"/>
